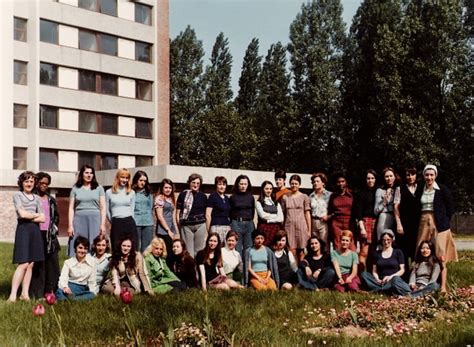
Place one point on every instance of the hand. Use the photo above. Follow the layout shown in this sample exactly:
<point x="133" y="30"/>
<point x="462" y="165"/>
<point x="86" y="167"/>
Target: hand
<point x="102" y="229"/>
<point x="67" y="290"/>
<point x="348" y="280"/>
<point x="400" y="229"/>
<point x="170" y="234"/>
<point x="316" y="274"/>
<point x="70" y="231"/>
<point x="117" y="291"/>
<point x="379" y="281"/>
<point x="363" y="233"/>
<point x="386" y="279"/>
<point x="308" y="271"/>
<point x="341" y="281"/>
<point x="413" y="286"/>
<point x="324" y="218"/>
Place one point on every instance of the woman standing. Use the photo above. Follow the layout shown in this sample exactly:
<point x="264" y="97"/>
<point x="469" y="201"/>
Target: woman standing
<point x="242" y="203"/>
<point x="296" y="208"/>
<point x="121" y="208"/>
<point x="143" y="213"/>
<point x="436" y="212"/>
<point x="345" y="263"/>
<point x="209" y="262"/>
<point x="218" y="209"/>
<point x="261" y="268"/>
<point x="46" y="274"/>
<point x="182" y="264"/>
<point x="286" y="262"/>
<point x="384" y="201"/>
<point x="127" y="270"/>
<point x="87" y="208"/>
<point x="162" y="279"/>
<point x="315" y="271"/>
<point x="165" y="209"/>
<point x="28" y="247"/>
<point x="389" y="266"/>
<point x="366" y="217"/>
<point x="319" y="199"/>
<point x="270" y="214"/>
<point x="191" y="212"/>
<point x="340" y="211"/>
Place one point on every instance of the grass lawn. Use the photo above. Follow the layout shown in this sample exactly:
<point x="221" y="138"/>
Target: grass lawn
<point x="246" y="317"/>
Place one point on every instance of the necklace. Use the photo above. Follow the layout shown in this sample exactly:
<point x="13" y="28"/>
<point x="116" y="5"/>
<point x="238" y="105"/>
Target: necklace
<point x="27" y="198"/>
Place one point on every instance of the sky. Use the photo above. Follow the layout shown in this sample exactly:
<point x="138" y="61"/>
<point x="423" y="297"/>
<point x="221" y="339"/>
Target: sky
<point x="241" y="21"/>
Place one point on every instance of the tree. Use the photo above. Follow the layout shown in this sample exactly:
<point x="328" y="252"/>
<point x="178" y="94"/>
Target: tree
<point x="317" y="41"/>
<point x="187" y="98"/>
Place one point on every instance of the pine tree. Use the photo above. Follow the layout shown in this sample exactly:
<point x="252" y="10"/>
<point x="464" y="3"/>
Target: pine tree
<point x="187" y="98"/>
<point x="317" y="41"/>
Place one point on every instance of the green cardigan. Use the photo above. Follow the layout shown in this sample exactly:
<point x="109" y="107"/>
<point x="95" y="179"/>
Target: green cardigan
<point x="160" y="274"/>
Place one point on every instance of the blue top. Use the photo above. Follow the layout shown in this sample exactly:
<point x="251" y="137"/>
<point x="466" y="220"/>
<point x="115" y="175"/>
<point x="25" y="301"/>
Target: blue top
<point x="220" y="209"/>
<point x="120" y="204"/>
<point x="388" y="266"/>
<point x="345" y="261"/>
<point x="143" y="209"/>
<point x="86" y="199"/>
<point x="258" y="259"/>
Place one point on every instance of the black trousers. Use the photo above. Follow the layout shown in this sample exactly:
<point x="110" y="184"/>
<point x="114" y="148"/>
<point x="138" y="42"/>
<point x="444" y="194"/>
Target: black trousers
<point x="121" y="228"/>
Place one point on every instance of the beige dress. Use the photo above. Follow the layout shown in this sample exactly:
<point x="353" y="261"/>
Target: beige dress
<point x="294" y="208"/>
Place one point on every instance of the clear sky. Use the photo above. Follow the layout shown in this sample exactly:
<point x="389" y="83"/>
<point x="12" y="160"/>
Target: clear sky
<point x="240" y="21"/>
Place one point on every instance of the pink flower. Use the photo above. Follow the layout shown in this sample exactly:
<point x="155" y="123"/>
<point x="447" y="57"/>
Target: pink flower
<point x="38" y="310"/>
<point x="126" y="296"/>
<point x="50" y="298"/>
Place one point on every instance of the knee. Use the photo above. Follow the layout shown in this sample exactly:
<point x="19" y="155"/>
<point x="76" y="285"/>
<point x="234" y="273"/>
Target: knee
<point x="286" y="286"/>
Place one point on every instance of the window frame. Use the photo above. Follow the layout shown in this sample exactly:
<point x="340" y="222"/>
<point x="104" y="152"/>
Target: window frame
<point x="20" y="77"/>
<point x="42" y="111"/>
<point x="150" y="9"/>
<point x="150" y="126"/>
<point x="20" y="34"/>
<point x="55" y="72"/>
<point x="150" y="51"/>
<point x="20" y="117"/>
<point x="138" y="85"/>
<point x="98" y="7"/>
<point x="55" y="40"/>
<point x="53" y="168"/>
<point x="17" y="161"/>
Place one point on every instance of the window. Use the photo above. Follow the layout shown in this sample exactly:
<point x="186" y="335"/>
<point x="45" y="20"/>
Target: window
<point x="48" y="31"/>
<point x="48" y="159"/>
<point x="48" y="117"/>
<point x="48" y="74"/>
<point x="20" y="75"/>
<point x="143" y="90"/>
<point x="19" y="158"/>
<point x="19" y="29"/>
<point x="104" y="6"/>
<point x="88" y="41"/>
<point x="20" y="115"/>
<point x="87" y="80"/>
<point x="98" y="161"/>
<point x="142" y="14"/>
<point x="143" y="161"/>
<point x="96" y="82"/>
<point x="108" y="44"/>
<point x="143" y="52"/>
<point x="143" y="128"/>
<point x="98" y="123"/>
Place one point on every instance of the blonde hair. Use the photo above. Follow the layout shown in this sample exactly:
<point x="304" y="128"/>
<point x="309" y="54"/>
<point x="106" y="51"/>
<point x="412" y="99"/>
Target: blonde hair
<point x="156" y="242"/>
<point x="116" y="185"/>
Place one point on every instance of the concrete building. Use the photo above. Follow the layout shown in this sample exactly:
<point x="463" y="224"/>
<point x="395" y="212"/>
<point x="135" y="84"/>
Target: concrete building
<point x="83" y="81"/>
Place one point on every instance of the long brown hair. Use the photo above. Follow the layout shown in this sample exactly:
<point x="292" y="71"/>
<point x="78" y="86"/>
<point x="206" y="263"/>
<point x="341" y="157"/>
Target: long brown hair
<point x="160" y="189"/>
<point x="217" y="251"/>
<point x="117" y="255"/>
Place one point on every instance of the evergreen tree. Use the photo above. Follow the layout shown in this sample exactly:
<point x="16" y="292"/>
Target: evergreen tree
<point x="187" y="99"/>
<point x="276" y="121"/>
<point x="317" y="40"/>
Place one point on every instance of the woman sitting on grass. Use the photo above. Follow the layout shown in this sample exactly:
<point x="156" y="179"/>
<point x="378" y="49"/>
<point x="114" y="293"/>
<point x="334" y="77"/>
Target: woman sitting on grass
<point x="182" y="264"/>
<point x="345" y="264"/>
<point x="424" y="273"/>
<point x="316" y="271"/>
<point x="209" y="262"/>
<point x="78" y="276"/>
<point x="389" y="265"/>
<point x="231" y="258"/>
<point x="285" y="260"/>
<point x="101" y="254"/>
<point x="127" y="270"/>
<point x="162" y="279"/>
<point x="261" y="269"/>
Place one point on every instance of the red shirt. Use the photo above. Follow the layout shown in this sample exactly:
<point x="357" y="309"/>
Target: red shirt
<point x="341" y="205"/>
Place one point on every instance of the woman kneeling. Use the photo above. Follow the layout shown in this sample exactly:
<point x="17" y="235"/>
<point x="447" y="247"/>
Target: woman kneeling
<point x="78" y="276"/>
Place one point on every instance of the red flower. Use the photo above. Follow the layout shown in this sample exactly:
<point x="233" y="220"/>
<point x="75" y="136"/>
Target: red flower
<point x="126" y="296"/>
<point x="50" y="298"/>
<point x="38" y="310"/>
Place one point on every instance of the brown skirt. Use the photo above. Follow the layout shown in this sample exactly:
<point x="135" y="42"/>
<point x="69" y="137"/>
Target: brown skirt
<point x="443" y="241"/>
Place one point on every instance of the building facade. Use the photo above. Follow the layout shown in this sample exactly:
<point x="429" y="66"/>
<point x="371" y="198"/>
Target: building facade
<point x="83" y="81"/>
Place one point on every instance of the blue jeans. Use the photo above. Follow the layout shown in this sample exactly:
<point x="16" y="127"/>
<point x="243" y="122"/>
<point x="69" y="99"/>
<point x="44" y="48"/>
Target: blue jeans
<point x="144" y="236"/>
<point x="430" y="287"/>
<point x="395" y="286"/>
<point x="325" y="279"/>
<point x="79" y="292"/>
<point x="244" y="229"/>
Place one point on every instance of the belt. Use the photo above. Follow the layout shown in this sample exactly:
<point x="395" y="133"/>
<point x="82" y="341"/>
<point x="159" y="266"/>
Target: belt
<point x="242" y="219"/>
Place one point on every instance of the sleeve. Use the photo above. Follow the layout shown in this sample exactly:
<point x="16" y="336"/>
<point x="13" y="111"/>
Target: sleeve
<point x="64" y="277"/>
<point x="92" y="281"/>
<point x="159" y="202"/>
<point x="398" y="196"/>
<point x="101" y="191"/>
<point x="17" y="202"/>
<point x="39" y="207"/>
<point x="331" y="204"/>
<point x="108" y="202"/>
<point x="293" y="264"/>
<point x="400" y="257"/>
<point x="355" y="258"/>
<point x="260" y="212"/>
<point x="132" y="203"/>
<point x="73" y="192"/>
<point x="435" y="273"/>
<point x="279" y="217"/>
<point x="334" y="256"/>
<point x="180" y="201"/>
<point x="378" y="206"/>
<point x="307" y="203"/>
<point x="448" y="200"/>
<point x="283" y="203"/>
<point x="211" y="201"/>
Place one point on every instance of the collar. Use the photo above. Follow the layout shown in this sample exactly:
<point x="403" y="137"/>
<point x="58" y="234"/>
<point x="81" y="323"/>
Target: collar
<point x="435" y="186"/>
<point x="89" y="260"/>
